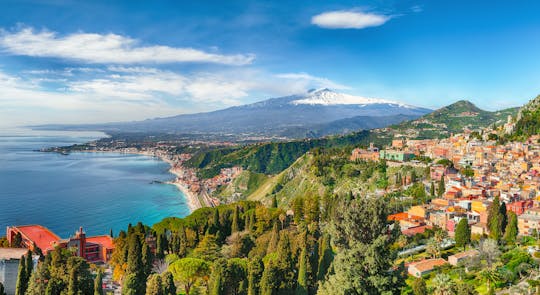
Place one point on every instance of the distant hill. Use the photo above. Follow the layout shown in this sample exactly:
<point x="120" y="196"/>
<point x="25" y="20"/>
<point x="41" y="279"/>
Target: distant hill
<point x="454" y="118"/>
<point x="312" y="114"/>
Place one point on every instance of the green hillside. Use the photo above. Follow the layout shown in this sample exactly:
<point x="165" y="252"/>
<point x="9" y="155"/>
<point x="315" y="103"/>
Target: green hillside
<point x="528" y="120"/>
<point x="451" y="119"/>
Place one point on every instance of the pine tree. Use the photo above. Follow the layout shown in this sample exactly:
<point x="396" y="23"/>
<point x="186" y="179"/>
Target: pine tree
<point x="463" y="233"/>
<point x="511" y="231"/>
<point x="98" y="283"/>
<point x="22" y="283"/>
<point x="302" y="286"/>
<point x="168" y="284"/>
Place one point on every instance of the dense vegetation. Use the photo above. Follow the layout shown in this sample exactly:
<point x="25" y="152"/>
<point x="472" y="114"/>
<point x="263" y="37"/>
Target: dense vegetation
<point x="528" y="122"/>
<point x="273" y="157"/>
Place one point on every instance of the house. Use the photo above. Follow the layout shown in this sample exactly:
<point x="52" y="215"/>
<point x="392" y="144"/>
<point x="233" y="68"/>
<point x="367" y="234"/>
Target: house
<point x="396" y="156"/>
<point x="9" y="266"/>
<point x="529" y="221"/>
<point x="423" y="267"/>
<point x="457" y="258"/>
<point x="93" y="249"/>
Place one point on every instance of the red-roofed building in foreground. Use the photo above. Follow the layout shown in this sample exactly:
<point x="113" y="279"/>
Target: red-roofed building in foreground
<point x="93" y="249"/>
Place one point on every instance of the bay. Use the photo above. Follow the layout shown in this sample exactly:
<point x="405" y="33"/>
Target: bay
<point x="98" y="191"/>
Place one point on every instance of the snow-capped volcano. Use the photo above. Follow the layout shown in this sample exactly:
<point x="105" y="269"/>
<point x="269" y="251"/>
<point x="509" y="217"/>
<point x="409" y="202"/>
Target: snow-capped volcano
<point x="328" y="97"/>
<point x="314" y="112"/>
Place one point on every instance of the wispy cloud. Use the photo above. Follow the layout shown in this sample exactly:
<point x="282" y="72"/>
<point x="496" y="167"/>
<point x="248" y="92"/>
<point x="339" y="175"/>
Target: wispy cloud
<point x="306" y="81"/>
<point x="106" y="49"/>
<point x="349" y="19"/>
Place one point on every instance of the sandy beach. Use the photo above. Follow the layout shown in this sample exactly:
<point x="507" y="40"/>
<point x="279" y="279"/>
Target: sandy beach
<point x="193" y="201"/>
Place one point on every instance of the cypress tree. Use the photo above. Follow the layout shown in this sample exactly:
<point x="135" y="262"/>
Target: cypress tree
<point x="255" y="271"/>
<point x="302" y="286"/>
<point x="22" y="283"/>
<point x="147" y="259"/>
<point x="463" y="233"/>
<point x="432" y="189"/>
<point x="442" y="188"/>
<point x="98" y="283"/>
<point x="326" y="257"/>
<point x="111" y="233"/>
<point x="511" y="231"/>
<point x="29" y="265"/>
<point x="503" y="216"/>
<point x="2" y="291"/>
<point x="274" y="239"/>
<point x="495" y="220"/>
<point x="274" y="202"/>
<point x="168" y="284"/>
<point x="235" y="226"/>
<point x="154" y="285"/>
<point x="72" y="283"/>
<point x="160" y="246"/>
<point x="135" y="279"/>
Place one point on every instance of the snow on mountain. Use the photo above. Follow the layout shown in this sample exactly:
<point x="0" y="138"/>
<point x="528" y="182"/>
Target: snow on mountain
<point x="328" y="97"/>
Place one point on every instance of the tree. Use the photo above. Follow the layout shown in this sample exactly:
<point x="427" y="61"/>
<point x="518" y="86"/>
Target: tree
<point x="274" y="202"/>
<point x="463" y="233"/>
<point x="491" y="275"/>
<point x="22" y="278"/>
<point x="29" y="264"/>
<point x="489" y="251"/>
<point x="433" y="248"/>
<point x="168" y="283"/>
<point x="442" y="188"/>
<point x="235" y="225"/>
<point x="136" y="270"/>
<point x="419" y="287"/>
<point x="504" y="217"/>
<point x="98" y="283"/>
<point x="443" y="285"/>
<point x="326" y="257"/>
<point x="365" y="255"/>
<point x="147" y="259"/>
<point x="17" y="241"/>
<point x="154" y="285"/>
<point x="495" y="220"/>
<point x="511" y="231"/>
<point x="189" y="271"/>
<point x="255" y="271"/>
<point x="432" y="189"/>
<point x="302" y="286"/>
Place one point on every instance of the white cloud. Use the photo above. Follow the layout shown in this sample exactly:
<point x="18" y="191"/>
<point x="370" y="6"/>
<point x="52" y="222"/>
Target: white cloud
<point x="106" y="49"/>
<point x="349" y="19"/>
<point x="136" y="93"/>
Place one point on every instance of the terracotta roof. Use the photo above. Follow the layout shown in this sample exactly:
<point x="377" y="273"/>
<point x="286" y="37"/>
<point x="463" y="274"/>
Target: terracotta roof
<point x="398" y="216"/>
<point x="465" y="254"/>
<point x="428" y="264"/>
<point x="105" y="241"/>
<point x="42" y="236"/>
<point x="415" y="230"/>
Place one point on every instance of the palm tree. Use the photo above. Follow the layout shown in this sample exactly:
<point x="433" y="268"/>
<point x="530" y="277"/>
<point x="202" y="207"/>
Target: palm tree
<point x="442" y="284"/>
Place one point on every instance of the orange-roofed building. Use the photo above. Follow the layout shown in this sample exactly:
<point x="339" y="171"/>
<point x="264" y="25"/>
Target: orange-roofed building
<point x="93" y="249"/>
<point x="39" y="235"/>
<point x="420" y="268"/>
<point x="398" y="216"/>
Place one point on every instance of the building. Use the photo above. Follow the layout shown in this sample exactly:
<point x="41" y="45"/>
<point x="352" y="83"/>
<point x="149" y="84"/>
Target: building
<point x="94" y="249"/>
<point x="529" y="221"/>
<point x="459" y="257"/>
<point x="399" y="156"/>
<point x="9" y="266"/>
<point x="423" y="267"/>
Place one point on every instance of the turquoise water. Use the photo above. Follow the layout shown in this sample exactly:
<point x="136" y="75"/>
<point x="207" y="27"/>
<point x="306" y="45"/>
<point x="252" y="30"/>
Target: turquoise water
<point x="98" y="191"/>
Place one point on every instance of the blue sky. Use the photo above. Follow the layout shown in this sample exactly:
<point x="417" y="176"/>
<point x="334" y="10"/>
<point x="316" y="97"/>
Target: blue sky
<point x="92" y="61"/>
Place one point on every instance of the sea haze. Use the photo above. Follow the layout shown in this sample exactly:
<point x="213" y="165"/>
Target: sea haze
<point x="98" y="191"/>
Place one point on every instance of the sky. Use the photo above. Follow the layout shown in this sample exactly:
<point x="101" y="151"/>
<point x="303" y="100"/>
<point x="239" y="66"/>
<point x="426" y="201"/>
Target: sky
<point x="108" y="61"/>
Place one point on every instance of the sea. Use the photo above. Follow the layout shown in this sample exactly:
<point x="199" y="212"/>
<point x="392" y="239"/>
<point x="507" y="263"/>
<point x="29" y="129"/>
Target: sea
<point x="98" y="191"/>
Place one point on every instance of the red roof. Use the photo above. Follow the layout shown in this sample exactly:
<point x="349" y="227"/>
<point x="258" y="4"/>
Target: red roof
<point x="398" y="216"/>
<point x="42" y="236"/>
<point x="104" y="241"/>
<point x="415" y="230"/>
